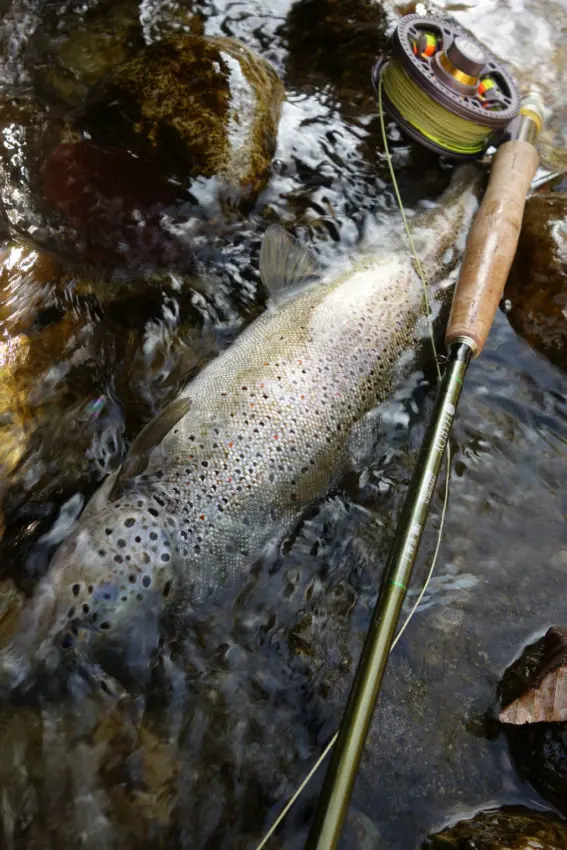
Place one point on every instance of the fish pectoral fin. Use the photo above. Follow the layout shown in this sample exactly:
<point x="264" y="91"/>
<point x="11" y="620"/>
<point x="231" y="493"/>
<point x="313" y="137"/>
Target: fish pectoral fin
<point x="285" y="264"/>
<point x="149" y="437"/>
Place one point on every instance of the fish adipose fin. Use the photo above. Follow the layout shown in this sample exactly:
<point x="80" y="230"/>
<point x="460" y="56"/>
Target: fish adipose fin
<point x="149" y="437"/>
<point x="285" y="264"/>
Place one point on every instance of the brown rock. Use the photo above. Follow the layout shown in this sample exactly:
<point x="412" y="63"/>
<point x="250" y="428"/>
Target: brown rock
<point x="503" y="829"/>
<point x="209" y="107"/>
<point x="537" y="287"/>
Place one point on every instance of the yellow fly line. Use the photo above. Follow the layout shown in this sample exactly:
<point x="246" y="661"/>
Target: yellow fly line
<point x="433" y="121"/>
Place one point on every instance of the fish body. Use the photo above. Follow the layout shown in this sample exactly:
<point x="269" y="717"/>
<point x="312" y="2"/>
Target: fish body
<point x="263" y="431"/>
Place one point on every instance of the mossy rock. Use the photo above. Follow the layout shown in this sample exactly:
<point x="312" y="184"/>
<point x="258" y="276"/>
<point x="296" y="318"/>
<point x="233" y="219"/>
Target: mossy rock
<point x="208" y="107"/>
<point x="537" y="287"/>
<point x="508" y="828"/>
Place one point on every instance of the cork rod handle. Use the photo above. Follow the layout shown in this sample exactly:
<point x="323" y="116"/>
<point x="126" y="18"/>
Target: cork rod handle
<point x="491" y="245"/>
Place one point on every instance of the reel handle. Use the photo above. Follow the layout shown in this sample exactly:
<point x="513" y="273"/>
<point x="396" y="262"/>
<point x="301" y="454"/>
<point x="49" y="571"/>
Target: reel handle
<point x="491" y="245"/>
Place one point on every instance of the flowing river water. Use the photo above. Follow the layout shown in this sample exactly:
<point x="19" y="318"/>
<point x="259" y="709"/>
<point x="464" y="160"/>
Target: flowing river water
<point x="92" y="346"/>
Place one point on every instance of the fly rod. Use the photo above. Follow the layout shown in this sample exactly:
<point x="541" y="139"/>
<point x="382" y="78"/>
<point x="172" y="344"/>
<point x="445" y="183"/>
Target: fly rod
<point x="448" y="93"/>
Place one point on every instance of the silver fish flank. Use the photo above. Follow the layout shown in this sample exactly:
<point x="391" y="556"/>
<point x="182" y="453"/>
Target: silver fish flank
<point x="262" y="432"/>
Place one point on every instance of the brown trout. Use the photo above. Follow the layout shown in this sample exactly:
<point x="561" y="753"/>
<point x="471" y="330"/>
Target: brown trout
<point x="262" y="432"/>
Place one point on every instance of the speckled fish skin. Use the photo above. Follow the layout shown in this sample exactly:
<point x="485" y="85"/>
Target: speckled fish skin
<point x="266" y="434"/>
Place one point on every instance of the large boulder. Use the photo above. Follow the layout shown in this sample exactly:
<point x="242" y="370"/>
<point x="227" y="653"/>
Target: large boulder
<point x="208" y="107"/>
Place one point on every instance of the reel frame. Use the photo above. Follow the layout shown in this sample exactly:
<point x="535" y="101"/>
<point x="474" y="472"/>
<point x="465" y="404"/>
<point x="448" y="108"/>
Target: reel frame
<point x="451" y="73"/>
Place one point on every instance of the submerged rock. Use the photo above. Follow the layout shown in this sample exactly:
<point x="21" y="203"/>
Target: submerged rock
<point x="335" y="42"/>
<point x="537" y="287"/>
<point x="208" y="107"/>
<point x="77" y="45"/>
<point x="503" y="829"/>
<point x="162" y="149"/>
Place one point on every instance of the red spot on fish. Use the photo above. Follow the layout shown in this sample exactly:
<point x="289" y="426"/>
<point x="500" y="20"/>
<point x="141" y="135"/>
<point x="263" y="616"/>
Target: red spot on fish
<point x="230" y="445"/>
<point x="251" y="404"/>
<point x="261" y="386"/>
<point x="300" y="362"/>
<point x="275" y="436"/>
<point x="338" y="395"/>
<point x="301" y="396"/>
<point x="202" y="516"/>
<point x="266" y="364"/>
<point x="229" y="479"/>
<point x="190" y="457"/>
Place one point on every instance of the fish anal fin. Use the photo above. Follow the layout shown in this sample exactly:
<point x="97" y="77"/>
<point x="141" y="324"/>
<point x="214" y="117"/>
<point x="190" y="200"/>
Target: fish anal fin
<point x="149" y="437"/>
<point x="285" y="264"/>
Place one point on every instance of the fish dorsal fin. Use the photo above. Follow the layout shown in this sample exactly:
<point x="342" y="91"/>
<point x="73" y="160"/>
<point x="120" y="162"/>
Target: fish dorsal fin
<point x="149" y="437"/>
<point x="285" y="264"/>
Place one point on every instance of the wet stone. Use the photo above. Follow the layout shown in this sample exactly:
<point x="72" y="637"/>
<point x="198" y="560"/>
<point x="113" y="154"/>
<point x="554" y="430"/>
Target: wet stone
<point x="537" y="287"/>
<point x="504" y="829"/>
<point x="336" y="43"/>
<point x="78" y="44"/>
<point x="209" y="107"/>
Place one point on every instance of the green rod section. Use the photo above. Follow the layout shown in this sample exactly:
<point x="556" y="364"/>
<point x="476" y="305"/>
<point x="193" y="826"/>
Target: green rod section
<point x="339" y="781"/>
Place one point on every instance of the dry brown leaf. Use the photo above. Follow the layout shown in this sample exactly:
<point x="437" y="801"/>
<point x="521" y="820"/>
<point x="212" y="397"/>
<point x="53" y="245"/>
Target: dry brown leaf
<point x="546" y="701"/>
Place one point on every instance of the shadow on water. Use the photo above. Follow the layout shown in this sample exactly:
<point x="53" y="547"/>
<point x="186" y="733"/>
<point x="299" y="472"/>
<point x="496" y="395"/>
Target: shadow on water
<point x="240" y="704"/>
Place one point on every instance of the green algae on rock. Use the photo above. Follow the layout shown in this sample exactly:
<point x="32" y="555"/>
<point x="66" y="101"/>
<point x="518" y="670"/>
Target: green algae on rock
<point x="207" y="106"/>
<point x="537" y="287"/>
<point x="508" y="828"/>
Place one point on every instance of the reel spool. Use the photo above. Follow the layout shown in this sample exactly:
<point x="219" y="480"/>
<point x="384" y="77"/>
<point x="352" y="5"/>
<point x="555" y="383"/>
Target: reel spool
<point x="445" y="89"/>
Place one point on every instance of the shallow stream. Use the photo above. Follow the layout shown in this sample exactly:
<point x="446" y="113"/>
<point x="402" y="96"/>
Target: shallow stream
<point x="92" y="346"/>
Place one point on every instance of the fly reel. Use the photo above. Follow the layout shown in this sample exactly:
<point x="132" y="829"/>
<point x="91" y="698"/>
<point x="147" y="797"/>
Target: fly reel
<point x="445" y="89"/>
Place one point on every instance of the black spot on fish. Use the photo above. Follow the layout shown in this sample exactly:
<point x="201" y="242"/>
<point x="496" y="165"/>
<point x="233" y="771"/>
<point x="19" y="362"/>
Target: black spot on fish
<point x="86" y="608"/>
<point x="153" y="535"/>
<point x="76" y="589"/>
<point x="121" y="543"/>
<point x="166" y="588"/>
<point x="165" y="557"/>
<point x="138" y="539"/>
<point x="130" y="522"/>
<point x="153" y="512"/>
<point x="118" y="559"/>
<point x="108" y="531"/>
<point x="146" y="581"/>
<point x="71" y="612"/>
<point x="105" y="625"/>
<point x="132" y="578"/>
<point x="101" y="553"/>
<point x="67" y="641"/>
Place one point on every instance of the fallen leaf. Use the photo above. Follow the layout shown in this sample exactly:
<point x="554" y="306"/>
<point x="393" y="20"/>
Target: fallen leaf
<point x="546" y="700"/>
